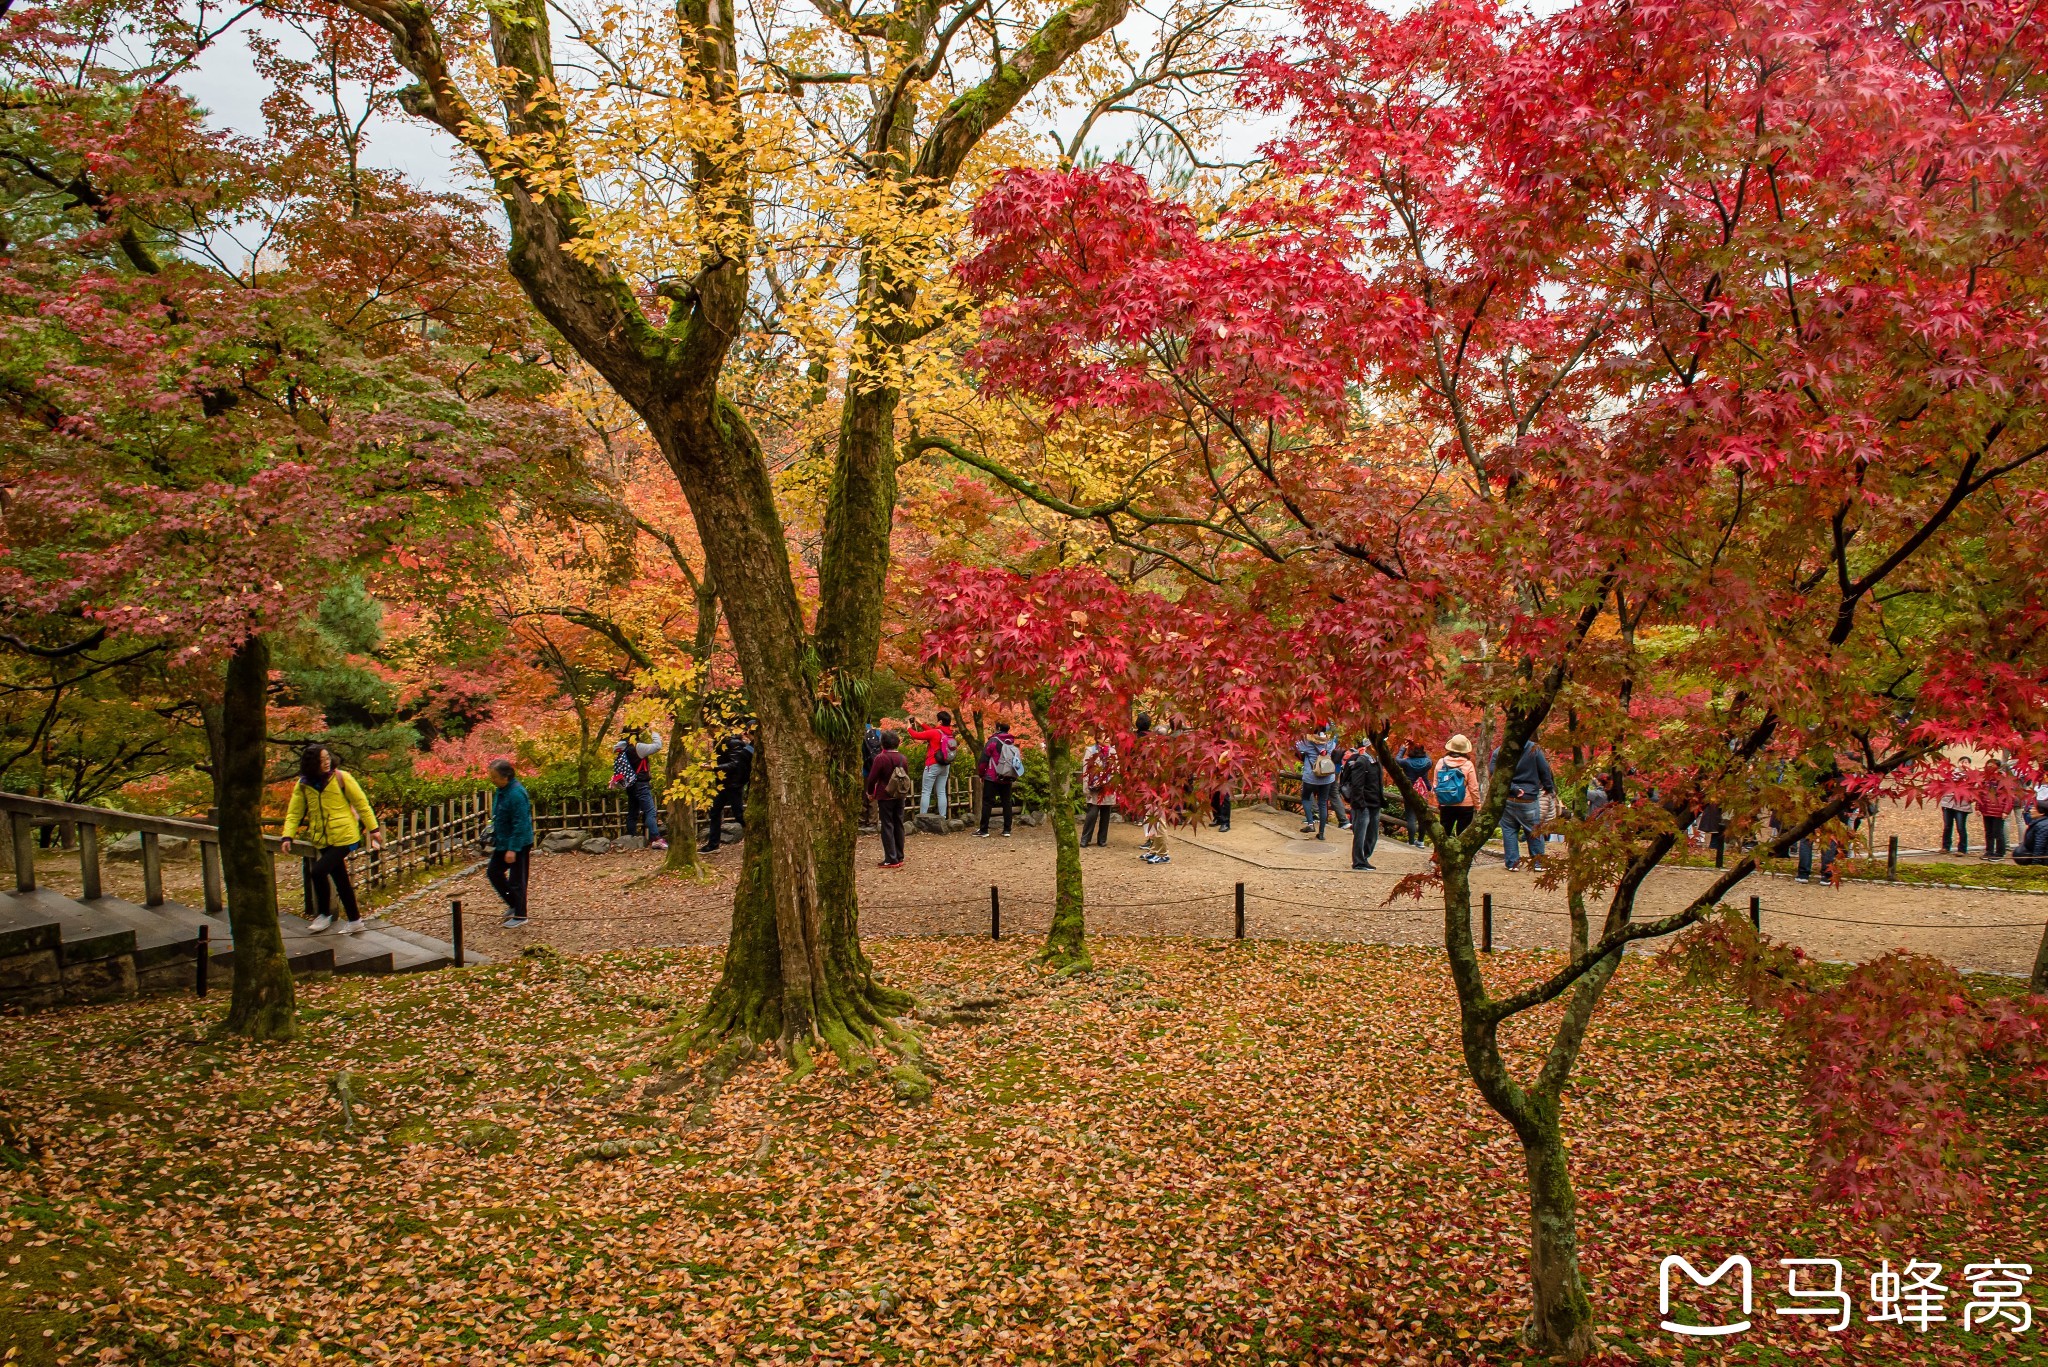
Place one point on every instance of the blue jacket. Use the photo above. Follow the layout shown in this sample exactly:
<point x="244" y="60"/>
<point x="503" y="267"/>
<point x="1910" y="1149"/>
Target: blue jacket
<point x="512" y="818"/>
<point x="1308" y="750"/>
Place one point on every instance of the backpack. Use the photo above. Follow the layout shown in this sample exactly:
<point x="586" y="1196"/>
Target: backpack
<point x="941" y="751"/>
<point x="624" y="765"/>
<point x="1323" y="766"/>
<point x="1450" y="785"/>
<point x="899" y="784"/>
<point x="1009" y="761"/>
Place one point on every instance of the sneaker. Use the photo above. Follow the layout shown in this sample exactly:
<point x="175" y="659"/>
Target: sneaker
<point x="513" y="922"/>
<point x="1006" y="835"/>
<point x="1512" y="868"/>
<point x="1802" y="879"/>
<point x="320" y="923"/>
<point x="707" y="849"/>
<point x="981" y="835"/>
<point x="1343" y="825"/>
<point x="659" y="845"/>
<point x="897" y="865"/>
<point x="1306" y="829"/>
<point x="350" y="928"/>
<point x="1321" y="836"/>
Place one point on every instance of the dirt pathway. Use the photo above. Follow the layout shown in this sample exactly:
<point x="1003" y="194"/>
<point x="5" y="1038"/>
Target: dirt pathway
<point x="1295" y="887"/>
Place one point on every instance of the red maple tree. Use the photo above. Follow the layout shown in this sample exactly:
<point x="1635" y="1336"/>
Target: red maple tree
<point x="1661" y="383"/>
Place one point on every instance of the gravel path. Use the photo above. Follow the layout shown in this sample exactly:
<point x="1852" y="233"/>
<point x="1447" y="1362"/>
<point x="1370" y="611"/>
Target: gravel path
<point x="1295" y="887"/>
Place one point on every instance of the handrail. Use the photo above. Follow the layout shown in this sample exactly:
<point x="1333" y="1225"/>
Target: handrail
<point x="51" y="810"/>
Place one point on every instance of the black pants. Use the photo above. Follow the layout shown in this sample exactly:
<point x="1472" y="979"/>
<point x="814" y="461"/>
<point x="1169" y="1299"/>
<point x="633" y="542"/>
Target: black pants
<point x="1219" y="809"/>
<point x="331" y="865"/>
<point x="509" y="880"/>
<point x="733" y="799"/>
<point x="993" y="789"/>
<point x="1994" y="836"/>
<point x="1955" y="825"/>
<point x="1095" y="823"/>
<point x="1411" y="812"/>
<point x="891" y="810"/>
<point x="1455" y="819"/>
<point x="1365" y="834"/>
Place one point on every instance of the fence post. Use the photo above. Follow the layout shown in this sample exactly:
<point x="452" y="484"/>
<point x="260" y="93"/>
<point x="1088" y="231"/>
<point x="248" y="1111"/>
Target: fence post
<point x="1240" y="911"/>
<point x="1756" y="913"/>
<point x="152" y="871"/>
<point x="24" y="852"/>
<point x="89" y="860"/>
<point x="1485" y="921"/>
<point x="455" y="926"/>
<point x="995" y="913"/>
<point x="210" y="879"/>
<point x="1891" y="859"/>
<point x="205" y="953"/>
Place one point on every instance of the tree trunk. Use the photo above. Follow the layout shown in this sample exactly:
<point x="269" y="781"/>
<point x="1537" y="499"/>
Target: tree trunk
<point x="794" y="969"/>
<point x="2039" y="982"/>
<point x="679" y="817"/>
<point x="264" y="1002"/>
<point x="1561" y="1320"/>
<point x="1065" y="943"/>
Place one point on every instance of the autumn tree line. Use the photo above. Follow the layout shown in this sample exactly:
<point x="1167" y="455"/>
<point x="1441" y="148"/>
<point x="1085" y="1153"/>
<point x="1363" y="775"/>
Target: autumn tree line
<point x="1660" y="384"/>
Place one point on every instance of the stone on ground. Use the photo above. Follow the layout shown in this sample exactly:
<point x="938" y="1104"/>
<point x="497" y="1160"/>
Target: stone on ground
<point x="561" y="842"/>
<point x="597" y="844"/>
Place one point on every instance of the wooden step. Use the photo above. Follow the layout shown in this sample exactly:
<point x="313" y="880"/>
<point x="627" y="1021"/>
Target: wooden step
<point x="85" y="932"/>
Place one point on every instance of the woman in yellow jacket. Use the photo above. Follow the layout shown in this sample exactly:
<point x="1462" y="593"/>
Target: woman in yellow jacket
<point x="329" y="806"/>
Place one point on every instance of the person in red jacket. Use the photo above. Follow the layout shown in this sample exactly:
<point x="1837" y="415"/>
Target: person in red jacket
<point x="939" y="746"/>
<point x="1994" y="804"/>
<point x="889" y="786"/>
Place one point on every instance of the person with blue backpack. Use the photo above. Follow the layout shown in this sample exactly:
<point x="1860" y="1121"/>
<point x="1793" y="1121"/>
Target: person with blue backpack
<point x="1002" y="764"/>
<point x="1454" y="783"/>
<point x="939" y="746"/>
<point x="633" y="774"/>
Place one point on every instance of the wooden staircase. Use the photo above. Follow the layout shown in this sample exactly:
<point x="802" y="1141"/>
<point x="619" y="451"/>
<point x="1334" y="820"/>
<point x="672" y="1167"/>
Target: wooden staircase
<point x="56" y="949"/>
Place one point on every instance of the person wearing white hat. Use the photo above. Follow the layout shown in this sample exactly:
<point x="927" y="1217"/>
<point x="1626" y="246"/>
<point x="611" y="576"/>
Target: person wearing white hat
<point x="1454" y="783"/>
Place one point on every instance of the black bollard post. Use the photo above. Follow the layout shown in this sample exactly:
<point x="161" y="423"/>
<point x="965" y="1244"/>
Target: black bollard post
<point x="1756" y="913"/>
<point x="1486" y="921"/>
<point x="455" y="926"/>
<point x="1240" y="911"/>
<point x="205" y="950"/>
<point x="1891" y="859"/>
<point x="995" y="913"/>
<point x="1720" y="850"/>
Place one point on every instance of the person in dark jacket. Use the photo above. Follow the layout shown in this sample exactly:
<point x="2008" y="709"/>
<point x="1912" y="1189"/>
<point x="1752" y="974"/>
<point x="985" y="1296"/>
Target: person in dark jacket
<point x="511" y="842"/>
<point x="1414" y="763"/>
<point x="1365" y="788"/>
<point x="734" y="764"/>
<point x="1524" y="811"/>
<point x="2033" y="846"/>
<point x="889" y="793"/>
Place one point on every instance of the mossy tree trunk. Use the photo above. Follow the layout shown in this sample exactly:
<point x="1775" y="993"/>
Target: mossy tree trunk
<point x="1066" y="946"/>
<point x="264" y="1002"/>
<point x="688" y="721"/>
<point x="2039" y="982"/>
<point x="807" y="682"/>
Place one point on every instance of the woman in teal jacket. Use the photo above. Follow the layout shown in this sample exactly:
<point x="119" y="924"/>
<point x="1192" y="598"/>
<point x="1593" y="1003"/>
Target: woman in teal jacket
<point x="511" y="842"/>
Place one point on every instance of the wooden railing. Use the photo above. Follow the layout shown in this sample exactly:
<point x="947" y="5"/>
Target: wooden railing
<point x="414" y="838"/>
<point x="24" y="814"/>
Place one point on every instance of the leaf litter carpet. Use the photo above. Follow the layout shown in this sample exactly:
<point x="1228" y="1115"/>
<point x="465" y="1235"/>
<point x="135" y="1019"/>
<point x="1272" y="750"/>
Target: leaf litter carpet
<point x="1200" y="1153"/>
